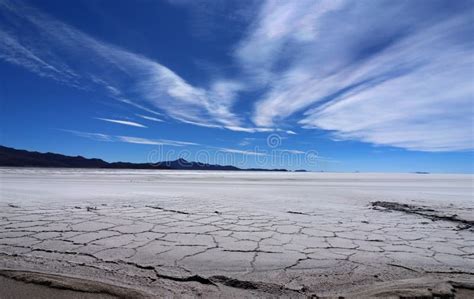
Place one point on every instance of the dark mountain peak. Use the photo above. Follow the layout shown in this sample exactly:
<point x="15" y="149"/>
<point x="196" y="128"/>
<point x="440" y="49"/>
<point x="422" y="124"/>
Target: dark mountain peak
<point x="181" y="160"/>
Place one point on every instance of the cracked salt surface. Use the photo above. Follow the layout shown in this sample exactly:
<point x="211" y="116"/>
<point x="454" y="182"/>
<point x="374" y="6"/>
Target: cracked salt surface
<point x="213" y="233"/>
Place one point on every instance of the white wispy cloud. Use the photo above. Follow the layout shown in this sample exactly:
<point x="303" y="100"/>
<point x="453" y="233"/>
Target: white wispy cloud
<point x="93" y="136"/>
<point x="129" y="139"/>
<point x="246" y="141"/>
<point x="242" y="152"/>
<point x="52" y="48"/>
<point x="139" y="140"/>
<point x="11" y="50"/>
<point x="122" y="122"/>
<point x="291" y="151"/>
<point x="149" y="118"/>
<point x="405" y="83"/>
<point x="259" y="129"/>
<point x="249" y="130"/>
<point x="280" y="24"/>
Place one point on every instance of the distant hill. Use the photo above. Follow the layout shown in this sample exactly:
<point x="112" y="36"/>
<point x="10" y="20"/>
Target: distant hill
<point x="10" y="157"/>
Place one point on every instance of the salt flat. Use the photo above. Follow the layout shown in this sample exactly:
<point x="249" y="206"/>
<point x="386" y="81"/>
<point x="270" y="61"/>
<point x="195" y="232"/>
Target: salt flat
<point x="238" y="233"/>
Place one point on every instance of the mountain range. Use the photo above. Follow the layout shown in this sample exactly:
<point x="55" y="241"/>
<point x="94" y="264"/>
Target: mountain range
<point x="11" y="157"/>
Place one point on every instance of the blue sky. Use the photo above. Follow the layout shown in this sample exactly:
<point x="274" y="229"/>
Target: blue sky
<point x="322" y="85"/>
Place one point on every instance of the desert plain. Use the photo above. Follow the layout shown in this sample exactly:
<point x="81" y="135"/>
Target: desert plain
<point x="75" y="233"/>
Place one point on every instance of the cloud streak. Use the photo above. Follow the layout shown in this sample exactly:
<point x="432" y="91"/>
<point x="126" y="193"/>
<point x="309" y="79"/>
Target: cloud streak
<point x="242" y="152"/>
<point x="92" y="136"/>
<point x="129" y="139"/>
<point x="150" y="118"/>
<point x="122" y="122"/>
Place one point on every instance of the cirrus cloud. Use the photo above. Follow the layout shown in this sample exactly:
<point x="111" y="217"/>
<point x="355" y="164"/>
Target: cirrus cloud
<point x="397" y="74"/>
